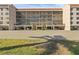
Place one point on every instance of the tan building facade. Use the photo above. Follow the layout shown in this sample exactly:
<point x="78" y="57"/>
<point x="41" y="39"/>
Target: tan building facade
<point x="66" y="18"/>
<point x="40" y="19"/>
<point x="71" y="16"/>
<point x="7" y="17"/>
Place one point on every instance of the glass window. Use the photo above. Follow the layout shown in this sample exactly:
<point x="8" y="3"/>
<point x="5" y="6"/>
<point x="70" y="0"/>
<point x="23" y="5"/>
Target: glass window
<point x="77" y="18"/>
<point x="71" y="9"/>
<point x="18" y="13"/>
<point x="1" y="22"/>
<point x="77" y="9"/>
<point x="1" y="18"/>
<point x="7" y="22"/>
<point x="6" y="8"/>
<point x="57" y="12"/>
<point x="71" y="22"/>
<point x="1" y="13"/>
<point x="71" y="13"/>
<point x="6" y="13"/>
<point x="1" y="9"/>
<point x="49" y="12"/>
<point x="77" y="13"/>
<point x="78" y="22"/>
<point x="71" y="18"/>
<point x="49" y="19"/>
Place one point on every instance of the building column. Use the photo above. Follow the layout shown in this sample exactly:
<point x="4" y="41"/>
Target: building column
<point x="24" y="27"/>
<point x="53" y="27"/>
<point x="66" y="16"/>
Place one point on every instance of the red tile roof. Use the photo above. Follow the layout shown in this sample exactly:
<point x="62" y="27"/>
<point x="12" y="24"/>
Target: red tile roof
<point x="32" y="9"/>
<point x="74" y="4"/>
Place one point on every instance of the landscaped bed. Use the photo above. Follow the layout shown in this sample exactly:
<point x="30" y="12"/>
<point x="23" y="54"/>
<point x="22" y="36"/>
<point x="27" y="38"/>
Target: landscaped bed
<point x="12" y="42"/>
<point x="20" y="46"/>
<point x="38" y="46"/>
<point x="72" y="46"/>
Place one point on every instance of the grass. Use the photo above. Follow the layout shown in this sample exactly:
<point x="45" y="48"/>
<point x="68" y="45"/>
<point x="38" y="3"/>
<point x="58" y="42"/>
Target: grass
<point x="73" y="46"/>
<point x="13" y="42"/>
<point x="31" y="46"/>
<point x="20" y="47"/>
<point x="23" y="51"/>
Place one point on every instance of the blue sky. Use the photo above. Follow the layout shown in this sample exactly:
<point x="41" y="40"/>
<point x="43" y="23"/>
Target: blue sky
<point x="39" y="5"/>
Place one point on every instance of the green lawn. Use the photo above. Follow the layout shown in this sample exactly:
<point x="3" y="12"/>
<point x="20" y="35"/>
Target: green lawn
<point x="73" y="46"/>
<point x="20" y="47"/>
<point x="32" y="46"/>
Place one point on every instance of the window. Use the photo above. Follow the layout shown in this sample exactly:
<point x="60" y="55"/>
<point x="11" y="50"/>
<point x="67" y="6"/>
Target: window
<point x="78" y="22"/>
<point x="49" y="19"/>
<point x="77" y="9"/>
<point x="77" y="18"/>
<point x="1" y="9"/>
<point x="77" y="13"/>
<point x="7" y="22"/>
<point x="1" y="18"/>
<point x="6" y="8"/>
<point x="49" y="12"/>
<point x="1" y="13"/>
<point x="1" y="22"/>
<point x="71" y="13"/>
<point x="19" y="16"/>
<point x="7" y="17"/>
<point x="71" y="9"/>
<point x="57" y="12"/>
<point x="71" y="22"/>
<point x="6" y="13"/>
<point x="71" y="18"/>
<point x="18" y="13"/>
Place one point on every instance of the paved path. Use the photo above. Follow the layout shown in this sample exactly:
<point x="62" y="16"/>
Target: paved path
<point x="70" y="35"/>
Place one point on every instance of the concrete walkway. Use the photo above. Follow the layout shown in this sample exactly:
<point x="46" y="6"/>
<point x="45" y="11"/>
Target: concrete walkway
<point x="70" y="35"/>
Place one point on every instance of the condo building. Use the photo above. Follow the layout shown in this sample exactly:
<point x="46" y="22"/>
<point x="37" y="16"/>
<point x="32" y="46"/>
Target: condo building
<point x="7" y="17"/>
<point x="71" y="16"/>
<point x="39" y="19"/>
<point x="66" y="18"/>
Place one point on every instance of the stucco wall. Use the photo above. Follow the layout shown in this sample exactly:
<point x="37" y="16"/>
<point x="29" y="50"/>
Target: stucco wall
<point x="66" y="16"/>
